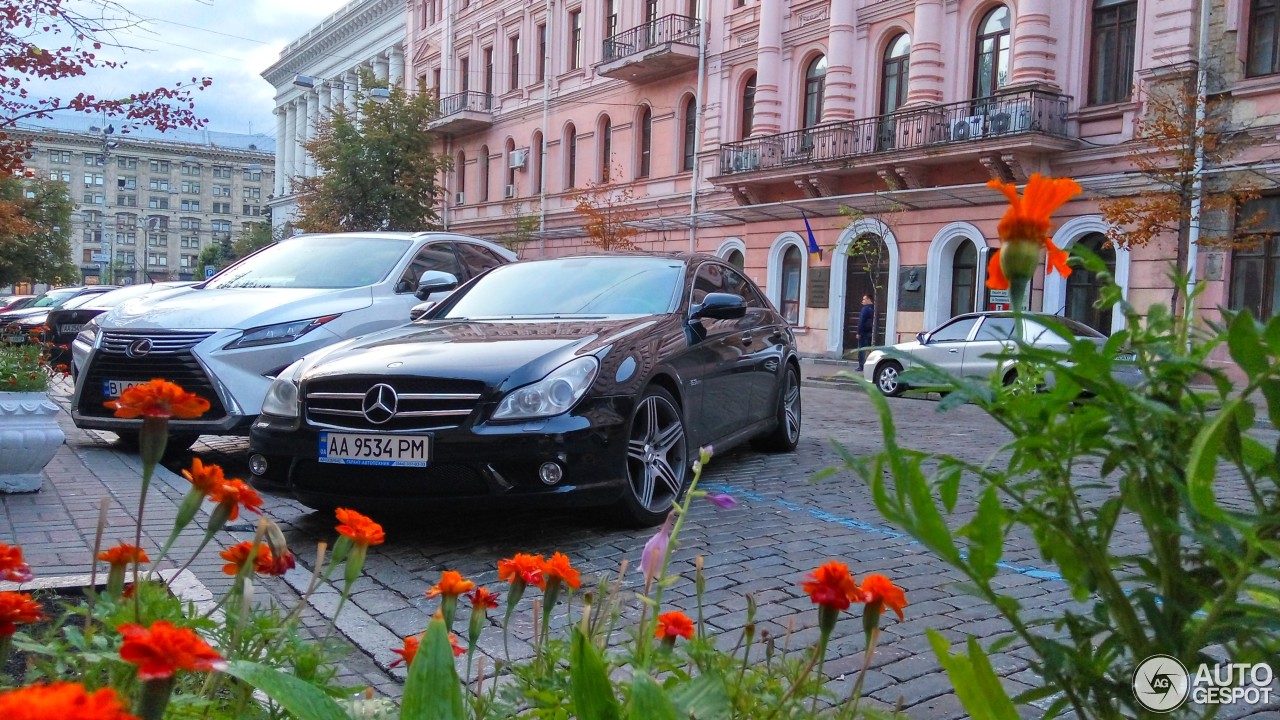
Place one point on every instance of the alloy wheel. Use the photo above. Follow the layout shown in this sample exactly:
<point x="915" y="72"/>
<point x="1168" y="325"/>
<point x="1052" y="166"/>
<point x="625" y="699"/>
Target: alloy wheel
<point x="656" y="454"/>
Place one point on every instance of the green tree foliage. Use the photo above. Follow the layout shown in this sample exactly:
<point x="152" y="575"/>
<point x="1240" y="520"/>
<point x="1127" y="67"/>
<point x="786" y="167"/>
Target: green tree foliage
<point x="257" y="236"/>
<point x="215" y="254"/>
<point x="379" y="170"/>
<point x="35" y="238"/>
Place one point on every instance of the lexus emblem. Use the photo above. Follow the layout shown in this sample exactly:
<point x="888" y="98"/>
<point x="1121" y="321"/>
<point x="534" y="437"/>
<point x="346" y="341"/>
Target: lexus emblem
<point x="380" y="404"/>
<point x="138" y="348"/>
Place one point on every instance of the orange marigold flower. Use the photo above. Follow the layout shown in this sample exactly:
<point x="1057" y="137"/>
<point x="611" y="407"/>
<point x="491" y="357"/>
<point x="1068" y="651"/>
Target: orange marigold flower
<point x="831" y="586"/>
<point x="236" y="494"/>
<point x="359" y="528"/>
<point x="451" y="583"/>
<point x="408" y="652"/>
<point x="158" y="399"/>
<point x="237" y="555"/>
<point x="124" y="554"/>
<point x="482" y="598"/>
<point x="12" y="566"/>
<point x="674" y="624"/>
<point x="62" y="701"/>
<point x="880" y="590"/>
<point x="205" y="478"/>
<point x="458" y="649"/>
<point x="523" y="567"/>
<point x="17" y="609"/>
<point x="162" y="649"/>
<point x="558" y="567"/>
<point x="1026" y="223"/>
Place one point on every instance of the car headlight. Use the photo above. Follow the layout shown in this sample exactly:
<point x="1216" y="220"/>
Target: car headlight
<point x="89" y="333"/>
<point x="279" y="333"/>
<point x="282" y="396"/>
<point x="553" y="394"/>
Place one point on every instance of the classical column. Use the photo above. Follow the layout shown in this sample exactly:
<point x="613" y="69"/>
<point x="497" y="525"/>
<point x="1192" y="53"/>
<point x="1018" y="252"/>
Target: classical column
<point x="1034" y="51"/>
<point x="380" y="66"/>
<point x="337" y="92"/>
<point x="397" y="65"/>
<point x="289" y="145"/>
<point x="278" y="189"/>
<point x="925" y="78"/>
<point x="353" y="100"/>
<point x="325" y="106"/>
<point x="768" y="110"/>
<point x="838" y="101"/>
<point x="309" y="132"/>
<point x="299" y="136"/>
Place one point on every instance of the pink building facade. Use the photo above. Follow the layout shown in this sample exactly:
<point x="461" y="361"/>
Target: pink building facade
<point x="732" y="121"/>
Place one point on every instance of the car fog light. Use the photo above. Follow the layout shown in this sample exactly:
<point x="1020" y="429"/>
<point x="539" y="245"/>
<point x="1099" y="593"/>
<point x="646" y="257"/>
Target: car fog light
<point x="550" y="473"/>
<point x="257" y="465"/>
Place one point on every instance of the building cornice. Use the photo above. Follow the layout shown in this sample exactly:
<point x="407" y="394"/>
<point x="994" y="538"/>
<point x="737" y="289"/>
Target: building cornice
<point x="335" y="33"/>
<point x="128" y="145"/>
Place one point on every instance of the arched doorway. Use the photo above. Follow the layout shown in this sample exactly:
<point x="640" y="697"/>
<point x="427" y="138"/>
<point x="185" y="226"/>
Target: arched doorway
<point x="964" y="278"/>
<point x="866" y="271"/>
<point x="1084" y="287"/>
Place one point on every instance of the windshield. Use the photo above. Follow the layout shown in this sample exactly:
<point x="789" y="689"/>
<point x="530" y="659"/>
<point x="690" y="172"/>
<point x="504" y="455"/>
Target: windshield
<point x="53" y="297"/>
<point x="78" y="300"/>
<point x="573" y="286"/>
<point x="324" y="261"/>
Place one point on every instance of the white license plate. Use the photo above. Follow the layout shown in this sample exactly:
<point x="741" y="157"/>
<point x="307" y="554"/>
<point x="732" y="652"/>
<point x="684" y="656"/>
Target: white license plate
<point x="116" y="388"/>
<point x="1126" y="357"/>
<point x="381" y="450"/>
<point x="15" y="339"/>
<point x="70" y="329"/>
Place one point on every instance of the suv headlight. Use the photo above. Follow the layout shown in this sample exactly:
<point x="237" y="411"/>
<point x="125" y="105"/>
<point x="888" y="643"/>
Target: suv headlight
<point x="89" y="333"/>
<point x="279" y="333"/>
<point x="553" y="394"/>
<point x="282" y="397"/>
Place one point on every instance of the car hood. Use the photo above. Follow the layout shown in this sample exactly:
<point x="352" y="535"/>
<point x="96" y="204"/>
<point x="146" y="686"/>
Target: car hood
<point x="22" y="314"/>
<point x="501" y="353"/>
<point x="34" y="318"/>
<point x="236" y="308"/>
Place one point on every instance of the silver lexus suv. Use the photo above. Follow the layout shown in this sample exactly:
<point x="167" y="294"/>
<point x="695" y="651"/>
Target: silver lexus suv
<point x="226" y="339"/>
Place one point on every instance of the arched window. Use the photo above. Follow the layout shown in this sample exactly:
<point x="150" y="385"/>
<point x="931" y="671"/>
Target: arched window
<point x="736" y="259"/>
<point x="461" y="168"/>
<point x="606" y="148"/>
<point x="484" y="173"/>
<point x="748" y="116"/>
<point x="690" y="144"/>
<point x="645" y="144"/>
<point x="536" y="150"/>
<point x="815" y="85"/>
<point x="511" y="169"/>
<point x="991" y="63"/>
<point x="893" y="84"/>
<point x="792" y="271"/>
<point x="1084" y="288"/>
<point x="570" y="158"/>
<point x="964" y="276"/>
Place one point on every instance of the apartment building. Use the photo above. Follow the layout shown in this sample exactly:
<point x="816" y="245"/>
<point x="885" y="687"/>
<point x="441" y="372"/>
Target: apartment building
<point x="879" y="121"/>
<point x="147" y="203"/>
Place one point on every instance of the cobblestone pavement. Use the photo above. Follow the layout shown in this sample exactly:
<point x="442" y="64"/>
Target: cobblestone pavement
<point x="786" y="524"/>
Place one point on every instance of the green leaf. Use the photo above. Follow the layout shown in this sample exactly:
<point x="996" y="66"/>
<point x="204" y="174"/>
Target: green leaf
<point x="302" y="699"/>
<point x="975" y="682"/>
<point x="432" y="689"/>
<point x="706" y="697"/>
<point x="649" y="701"/>
<point x="1271" y="391"/>
<point x="589" y="685"/>
<point x="949" y="487"/>
<point x="1203" y="461"/>
<point x="1245" y="344"/>
<point x="986" y="534"/>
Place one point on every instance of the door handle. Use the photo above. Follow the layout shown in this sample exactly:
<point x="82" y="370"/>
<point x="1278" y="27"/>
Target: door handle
<point x="747" y="339"/>
<point x="953" y="351"/>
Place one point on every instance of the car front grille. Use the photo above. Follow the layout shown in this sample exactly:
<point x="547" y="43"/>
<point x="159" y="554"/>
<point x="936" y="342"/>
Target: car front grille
<point x="170" y="358"/>
<point x="422" y="403"/>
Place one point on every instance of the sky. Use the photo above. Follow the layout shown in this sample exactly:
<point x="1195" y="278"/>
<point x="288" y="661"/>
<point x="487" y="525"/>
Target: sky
<point x="230" y="41"/>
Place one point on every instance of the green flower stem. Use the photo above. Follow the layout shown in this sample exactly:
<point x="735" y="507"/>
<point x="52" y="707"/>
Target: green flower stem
<point x="151" y="441"/>
<point x="154" y="698"/>
<point x="513" y="596"/>
<point x="6" y="642"/>
<point x="681" y="510"/>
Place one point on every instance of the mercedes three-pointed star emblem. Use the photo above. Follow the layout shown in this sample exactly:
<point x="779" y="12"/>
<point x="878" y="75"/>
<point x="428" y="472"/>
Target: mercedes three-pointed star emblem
<point x="380" y="403"/>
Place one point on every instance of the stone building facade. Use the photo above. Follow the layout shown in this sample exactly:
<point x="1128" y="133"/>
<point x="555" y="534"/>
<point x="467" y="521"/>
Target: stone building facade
<point x="877" y="120"/>
<point x="146" y="203"/>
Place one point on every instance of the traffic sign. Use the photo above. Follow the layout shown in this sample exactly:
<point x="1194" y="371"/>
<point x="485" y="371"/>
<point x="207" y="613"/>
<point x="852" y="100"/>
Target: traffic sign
<point x="101" y="257"/>
<point x="208" y="271"/>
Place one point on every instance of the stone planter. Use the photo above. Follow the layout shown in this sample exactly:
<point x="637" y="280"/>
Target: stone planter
<point x="29" y="437"/>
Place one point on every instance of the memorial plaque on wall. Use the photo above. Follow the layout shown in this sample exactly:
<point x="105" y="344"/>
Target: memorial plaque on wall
<point x="819" y="287"/>
<point x="911" y="289"/>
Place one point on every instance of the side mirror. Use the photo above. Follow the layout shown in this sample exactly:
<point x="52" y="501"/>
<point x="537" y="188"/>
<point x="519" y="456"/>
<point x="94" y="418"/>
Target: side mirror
<point x="922" y="338"/>
<point x="421" y="309"/>
<point x="719" y="306"/>
<point x="434" y="281"/>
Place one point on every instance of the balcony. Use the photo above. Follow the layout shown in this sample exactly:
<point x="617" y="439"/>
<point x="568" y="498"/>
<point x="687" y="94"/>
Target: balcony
<point x="465" y="112"/>
<point x="1030" y="120"/>
<point x="658" y="49"/>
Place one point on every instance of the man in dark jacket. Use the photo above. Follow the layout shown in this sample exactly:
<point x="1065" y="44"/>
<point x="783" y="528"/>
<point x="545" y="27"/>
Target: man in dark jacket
<point x="866" y="328"/>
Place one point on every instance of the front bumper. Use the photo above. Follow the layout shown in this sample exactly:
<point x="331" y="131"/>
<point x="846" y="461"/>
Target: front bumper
<point x="480" y="463"/>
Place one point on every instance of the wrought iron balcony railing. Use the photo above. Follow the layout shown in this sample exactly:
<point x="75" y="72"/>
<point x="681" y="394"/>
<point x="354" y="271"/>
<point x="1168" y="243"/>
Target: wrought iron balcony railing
<point x="469" y="101"/>
<point x="996" y="116"/>
<point x="662" y="31"/>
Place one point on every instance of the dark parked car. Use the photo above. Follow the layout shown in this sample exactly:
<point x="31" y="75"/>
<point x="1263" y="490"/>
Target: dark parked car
<point x="64" y="323"/>
<point x="587" y="380"/>
<point x="17" y="326"/>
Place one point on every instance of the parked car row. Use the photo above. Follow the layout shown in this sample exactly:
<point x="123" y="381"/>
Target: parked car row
<point x="17" y="326"/>
<point x="590" y="380"/>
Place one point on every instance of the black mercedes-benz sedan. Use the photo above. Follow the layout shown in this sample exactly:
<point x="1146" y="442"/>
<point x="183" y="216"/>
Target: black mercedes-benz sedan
<point x="587" y="380"/>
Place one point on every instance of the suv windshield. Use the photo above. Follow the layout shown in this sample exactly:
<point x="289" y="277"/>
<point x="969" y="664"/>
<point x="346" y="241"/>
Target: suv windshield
<point x="316" y="262"/>
<point x="54" y="297"/>
<point x="573" y="286"/>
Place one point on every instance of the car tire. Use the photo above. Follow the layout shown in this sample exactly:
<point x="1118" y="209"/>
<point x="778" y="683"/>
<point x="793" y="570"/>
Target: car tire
<point x="177" y="443"/>
<point x="786" y="434"/>
<point x="1010" y="378"/>
<point x="657" y="462"/>
<point x="888" y="377"/>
